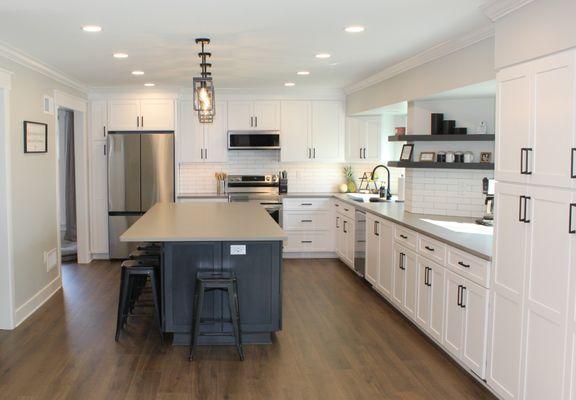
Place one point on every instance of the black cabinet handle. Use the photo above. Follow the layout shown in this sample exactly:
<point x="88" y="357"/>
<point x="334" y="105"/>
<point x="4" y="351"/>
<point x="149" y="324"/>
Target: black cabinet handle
<point x="458" y="298"/>
<point x="105" y="154"/>
<point x="525" y="218"/>
<point x="464" y="265"/>
<point x="305" y="241"/>
<point x="305" y="220"/>
<point x="252" y="121"/>
<point x="309" y="152"/>
<point x="256" y="121"/>
<point x="138" y="122"/>
<point x="404" y="236"/>
<point x="345" y="209"/>
<point x="524" y="161"/>
<point x="104" y="131"/>
<point x="572" y="161"/>
<point x="142" y="121"/>
<point x="571" y="230"/>
<point x="376" y="223"/>
<point x="337" y="219"/>
<point x="523" y="209"/>
<point x="314" y="151"/>
<point x="462" y="297"/>
<point x="360" y="152"/>
<point x="427" y="276"/>
<point x="305" y="204"/>
<point x="344" y="227"/>
<point x="429" y="248"/>
<point x="401" y="266"/>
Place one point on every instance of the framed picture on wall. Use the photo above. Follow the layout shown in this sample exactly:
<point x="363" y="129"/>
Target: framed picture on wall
<point x="485" y="157"/>
<point x="35" y="137"/>
<point x="406" y="154"/>
<point x="427" y="156"/>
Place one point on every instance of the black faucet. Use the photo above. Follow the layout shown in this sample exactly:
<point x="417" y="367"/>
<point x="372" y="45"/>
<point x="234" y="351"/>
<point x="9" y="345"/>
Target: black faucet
<point x="386" y="193"/>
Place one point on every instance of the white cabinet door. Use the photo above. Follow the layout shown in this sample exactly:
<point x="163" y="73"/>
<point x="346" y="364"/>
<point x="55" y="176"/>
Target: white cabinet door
<point x="571" y="350"/>
<point x="410" y="276"/>
<point x="355" y="139"/>
<point x="349" y="227"/>
<point x="157" y="115"/>
<point x="266" y="115"/>
<point x="549" y="267"/>
<point x="98" y="198"/>
<point x="295" y="131"/>
<point x="453" y="327"/>
<point x="123" y="115"/>
<point x="436" y="281"/>
<point x="216" y="135"/>
<point x="240" y="116"/>
<point x="423" y="296"/>
<point x="507" y="283"/>
<point x="399" y="288"/>
<point x="190" y="133"/>
<point x="512" y="122"/>
<point x="475" y="303"/>
<point x="385" y="276"/>
<point x="372" y="138"/>
<point x="98" y="120"/>
<point x="372" y="249"/>
<point x="339" y="236"/>
<point x="327" y="130"/>
<point x="554" y="130"/>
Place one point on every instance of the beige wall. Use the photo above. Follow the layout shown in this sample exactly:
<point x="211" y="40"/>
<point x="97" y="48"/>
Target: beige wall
<point x="470" y="65"/>
<point x="33" y="178"/>
<point x="539" y="28"/>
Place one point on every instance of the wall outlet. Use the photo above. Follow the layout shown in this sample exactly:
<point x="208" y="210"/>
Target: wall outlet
<point x="238" y="250"/>
<point x="51" y="259"/>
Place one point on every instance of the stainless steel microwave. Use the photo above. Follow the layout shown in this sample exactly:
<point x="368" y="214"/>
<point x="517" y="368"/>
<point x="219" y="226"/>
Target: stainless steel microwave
<point x="253" y="140"/>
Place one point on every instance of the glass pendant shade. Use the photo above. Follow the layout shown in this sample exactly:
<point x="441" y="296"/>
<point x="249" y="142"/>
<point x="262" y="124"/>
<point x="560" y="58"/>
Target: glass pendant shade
<point x="206" y="117"/>
<point x="203" y="94"/>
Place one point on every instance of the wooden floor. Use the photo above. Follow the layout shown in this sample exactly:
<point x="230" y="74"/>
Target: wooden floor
<point x="340" y="341"/>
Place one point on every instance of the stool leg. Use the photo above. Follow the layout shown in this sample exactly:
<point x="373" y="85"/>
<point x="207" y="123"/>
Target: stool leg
<point x="196" y="319"/>
<point x="122" y="302"/>
<point x="156" y="297"/>
<point x="235" y="316"/>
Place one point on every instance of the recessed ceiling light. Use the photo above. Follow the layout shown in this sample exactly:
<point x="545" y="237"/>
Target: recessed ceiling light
<point x="354" y="29"/>
<point x="120" y="55"/>
<point x="149" y="84"/>
<point x="137" y="72"/>
<point x="91" y="28"/>
<point x="289" y="84"/>
<point x="303" y="73"/>
<point x="323" y="55"/>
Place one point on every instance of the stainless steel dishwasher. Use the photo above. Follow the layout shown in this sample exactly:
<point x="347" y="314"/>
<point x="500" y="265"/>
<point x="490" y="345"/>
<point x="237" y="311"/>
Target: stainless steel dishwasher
<point x="360" y="243"/>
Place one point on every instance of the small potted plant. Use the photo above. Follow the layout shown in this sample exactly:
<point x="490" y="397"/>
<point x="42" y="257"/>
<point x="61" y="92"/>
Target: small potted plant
<point x="349" y="175"/>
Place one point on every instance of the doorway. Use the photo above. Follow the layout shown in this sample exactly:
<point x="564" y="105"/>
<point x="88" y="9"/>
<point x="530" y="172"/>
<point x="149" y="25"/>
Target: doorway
<point x="67" y="186"/>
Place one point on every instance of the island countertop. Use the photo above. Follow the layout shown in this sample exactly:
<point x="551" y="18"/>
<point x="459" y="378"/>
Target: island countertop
<point x="193" y="222"/>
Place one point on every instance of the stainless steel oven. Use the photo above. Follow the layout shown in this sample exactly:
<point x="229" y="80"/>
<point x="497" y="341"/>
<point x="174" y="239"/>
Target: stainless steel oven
<point x="260" y="189"/>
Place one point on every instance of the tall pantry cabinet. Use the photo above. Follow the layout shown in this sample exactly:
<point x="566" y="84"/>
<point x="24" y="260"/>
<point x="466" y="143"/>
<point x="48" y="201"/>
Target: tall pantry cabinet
<point x="533" y="327"/>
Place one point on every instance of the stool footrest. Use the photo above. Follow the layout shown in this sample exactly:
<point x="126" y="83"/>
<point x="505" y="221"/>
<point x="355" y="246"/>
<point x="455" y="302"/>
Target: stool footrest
<point x="217" y="334"/>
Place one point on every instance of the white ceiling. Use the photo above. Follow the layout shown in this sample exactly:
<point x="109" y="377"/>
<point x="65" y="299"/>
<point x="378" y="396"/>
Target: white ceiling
<point x="256" y="43"/>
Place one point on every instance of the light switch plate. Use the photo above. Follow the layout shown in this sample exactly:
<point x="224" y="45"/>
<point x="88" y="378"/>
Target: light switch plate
<point x="238" y="250"/>
<point x="51" y="259"/>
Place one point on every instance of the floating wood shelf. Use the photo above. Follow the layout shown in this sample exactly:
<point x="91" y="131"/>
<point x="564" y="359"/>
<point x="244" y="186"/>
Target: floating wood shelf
<point x="425" y="164"/>
<point x="442" y="138"/>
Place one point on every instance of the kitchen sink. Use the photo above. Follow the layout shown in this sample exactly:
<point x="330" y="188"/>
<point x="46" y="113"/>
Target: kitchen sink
<point x="363" y="197"/>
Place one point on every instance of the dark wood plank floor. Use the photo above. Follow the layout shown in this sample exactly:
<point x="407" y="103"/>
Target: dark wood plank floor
<point x="340" y="341"/>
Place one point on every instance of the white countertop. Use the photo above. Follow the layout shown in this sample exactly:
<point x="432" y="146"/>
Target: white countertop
<point x="191" y="222"/>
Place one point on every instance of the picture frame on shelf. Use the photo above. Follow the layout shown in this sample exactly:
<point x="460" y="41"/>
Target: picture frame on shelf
<point x="406" y="154"/>
<point x="485" y="157"/>
<point x="35" y="137"/>
<point x="427" y="156"/>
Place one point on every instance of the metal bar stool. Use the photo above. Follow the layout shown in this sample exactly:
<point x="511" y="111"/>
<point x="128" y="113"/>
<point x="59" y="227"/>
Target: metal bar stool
<point x="131" y="274"/>
<point x="150" y="255"/>
<point x="208" y="281"/>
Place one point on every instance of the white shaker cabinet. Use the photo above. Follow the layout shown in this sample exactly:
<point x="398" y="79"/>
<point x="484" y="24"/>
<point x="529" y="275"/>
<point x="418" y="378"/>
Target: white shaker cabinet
<point x="404" y="287"/>
<point x="312" y="131"/>
<point x="253" y="115"/>
<point x="98" y="120"/>
<point x="138" y="115"/>
<point x="98" y="198"/>
<point x="202" y="142"/>
<point x="430" y="298"/>
<point x="372" y="270"/>
<point x="123" y="115"/>
<point x="536" y="132"/>
<point x="386" y="258"/>
<point x="363" y="139"/>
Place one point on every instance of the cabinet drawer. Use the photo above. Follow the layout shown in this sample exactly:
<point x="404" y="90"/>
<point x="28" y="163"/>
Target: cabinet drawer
<point x="344" y="209"/>
<point x="469" y="266"/>
<point x="432" y="249"/>
<point x="307" y="204"/>
<point x="306" y="221"/>
<point x="308" y="242"/>
<point x="407" y="237"/>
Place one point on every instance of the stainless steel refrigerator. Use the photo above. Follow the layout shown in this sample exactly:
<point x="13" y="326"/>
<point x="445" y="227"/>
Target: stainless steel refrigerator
<point x="140" y="174"/>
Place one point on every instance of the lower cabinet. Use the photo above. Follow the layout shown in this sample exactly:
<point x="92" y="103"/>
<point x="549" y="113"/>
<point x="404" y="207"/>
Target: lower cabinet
<point x="466" y="314"/>
<point x="345" y="239"/>
<point x="404" y="288"/>
<point x="372" y="271"/>
<point x="307" y="222"/>
<point x="430" y="298"/>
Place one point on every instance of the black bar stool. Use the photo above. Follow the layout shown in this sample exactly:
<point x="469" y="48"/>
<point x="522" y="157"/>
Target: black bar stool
<point x="150" y="255"/>
<point x="208" y="281"/>
<point x="131" y="275"/>
<point x="149" y="246"/>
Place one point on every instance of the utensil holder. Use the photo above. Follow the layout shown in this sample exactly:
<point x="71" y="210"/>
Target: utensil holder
<point x="220" y="187"/>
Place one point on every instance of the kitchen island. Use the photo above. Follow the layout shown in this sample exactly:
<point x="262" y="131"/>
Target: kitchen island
<point x="238" y="237"/>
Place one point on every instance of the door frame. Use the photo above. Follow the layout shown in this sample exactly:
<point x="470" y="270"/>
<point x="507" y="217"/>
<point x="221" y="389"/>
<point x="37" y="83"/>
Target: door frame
<point x="6" y="258"/>
<point x="79" y="106"/>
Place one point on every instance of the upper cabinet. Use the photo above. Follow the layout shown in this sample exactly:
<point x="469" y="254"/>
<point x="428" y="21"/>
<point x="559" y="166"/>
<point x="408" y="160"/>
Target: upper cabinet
<point x="253" y="115"/>
<point x="141" y="115"/>
<point x="98" y="120"/>
<point x="363" y="139"/>
<point x="202" y="142"/>
<point x="536" y="133"/>
<point x="312" y="131"/>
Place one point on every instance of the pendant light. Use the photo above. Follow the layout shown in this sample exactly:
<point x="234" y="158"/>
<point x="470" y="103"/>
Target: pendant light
<point x="204" y="87"/>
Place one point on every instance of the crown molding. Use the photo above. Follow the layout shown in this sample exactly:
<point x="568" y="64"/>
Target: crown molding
<point x="36" y="65"/>
<point x="431" y="54"/>
<point x="496" y="9"/>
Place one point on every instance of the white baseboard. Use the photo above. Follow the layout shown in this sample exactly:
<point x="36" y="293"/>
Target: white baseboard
<point x="320" y="254"/>
<point x="35" y="302"/>
<point x="100" y="256"/>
